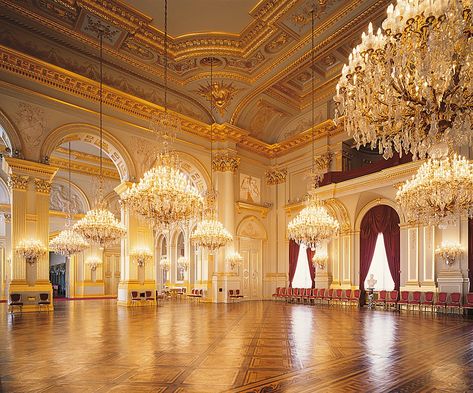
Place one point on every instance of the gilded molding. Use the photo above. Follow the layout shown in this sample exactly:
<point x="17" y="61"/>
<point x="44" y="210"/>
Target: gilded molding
<point x="42" y="186"/>
<point x="276" y="176"/>
<point x="225" y="162"/>
<point x="241" y="206"/>
<point x="18" y="182"/>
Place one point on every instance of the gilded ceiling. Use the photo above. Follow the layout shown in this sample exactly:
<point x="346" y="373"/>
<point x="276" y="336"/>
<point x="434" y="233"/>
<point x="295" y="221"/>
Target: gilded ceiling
<point x="261" y="52"/>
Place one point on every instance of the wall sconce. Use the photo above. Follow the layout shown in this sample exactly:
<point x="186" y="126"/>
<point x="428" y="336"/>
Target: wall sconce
<point x="320" y="260"/>
<point x="449" y="252"/>
<point x="93" y="262"/>
<point x="141" y="255"/>
<point x="183" y="263"/>
<point x="31" y="250"/>
<point x="165" y="264"/>
<point x="234" y="259"/>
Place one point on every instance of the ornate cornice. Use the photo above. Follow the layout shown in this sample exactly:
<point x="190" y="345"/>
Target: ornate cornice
<point x="82" y="167"/>
<point x="225" y="162"/>
<point x="42" y="186"/>
<point x="276" y="176"/>
<point x="18" y="182"/>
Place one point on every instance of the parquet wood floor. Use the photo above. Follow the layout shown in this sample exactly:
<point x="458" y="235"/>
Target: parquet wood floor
<point x="95" y="346"/>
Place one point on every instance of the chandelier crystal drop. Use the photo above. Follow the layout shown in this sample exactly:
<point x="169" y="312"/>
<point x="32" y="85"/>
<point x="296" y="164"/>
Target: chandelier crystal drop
<point x="234" y="259"/>
<point x="141" y="255"/>
<point x="68" y="243"/>
<point x="440" y="192"/>
<point x="313" y="224"/>
<point x="31" y="250"/>
<point x="183" y="263"/>
<point x="165" y="264"/>
<point x="410" y="85"/>
<point x="93" y="262"/>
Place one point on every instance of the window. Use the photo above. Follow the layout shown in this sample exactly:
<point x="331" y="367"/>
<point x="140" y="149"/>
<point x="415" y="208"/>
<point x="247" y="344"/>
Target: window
<point x="302" y="275"/>
<point x="379" y="267"/>
<point x="180" y="253"/>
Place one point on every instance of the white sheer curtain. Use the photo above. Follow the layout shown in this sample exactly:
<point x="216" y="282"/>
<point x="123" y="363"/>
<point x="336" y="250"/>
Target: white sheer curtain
<point x="302" y="275"/>
<point x="379" y="267"/>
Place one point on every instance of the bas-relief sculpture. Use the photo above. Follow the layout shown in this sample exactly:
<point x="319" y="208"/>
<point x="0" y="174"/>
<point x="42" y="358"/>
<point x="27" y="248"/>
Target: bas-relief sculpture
<point x="59" y="199"/>
<point x="31" y="123"/>
<point x="250" y="188"/>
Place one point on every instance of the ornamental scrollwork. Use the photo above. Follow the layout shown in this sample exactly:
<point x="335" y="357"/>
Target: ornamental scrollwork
<point x="18" y="182"/>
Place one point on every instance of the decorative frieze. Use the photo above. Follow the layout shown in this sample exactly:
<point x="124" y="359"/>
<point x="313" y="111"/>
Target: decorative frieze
<point x="42" y="186"/>
<point x="18" y="182"/>
<point x="276" y="176"/>
<point x="225" y="162"/>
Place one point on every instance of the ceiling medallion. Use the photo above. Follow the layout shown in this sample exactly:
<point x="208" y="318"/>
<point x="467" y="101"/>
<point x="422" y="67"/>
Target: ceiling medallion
<point x="211" y="61"/>
<point x="222" y="94"/>
<point x="99" y="226"/>
<point x="408" y="86"/>
<point x="313" y="224"/>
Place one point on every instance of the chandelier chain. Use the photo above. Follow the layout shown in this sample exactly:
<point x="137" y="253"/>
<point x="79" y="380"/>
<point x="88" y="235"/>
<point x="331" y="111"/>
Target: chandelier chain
<point x="101" y="116"/>
<point x="165" y="55"/>
<point x="312" y="61"/>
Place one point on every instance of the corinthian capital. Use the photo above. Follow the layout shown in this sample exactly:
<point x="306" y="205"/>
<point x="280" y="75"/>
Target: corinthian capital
<point x="18" y="182"/>
<point x="276" y="176"/>
<point x="225" y="162"/>
<point x="42" y="186"/>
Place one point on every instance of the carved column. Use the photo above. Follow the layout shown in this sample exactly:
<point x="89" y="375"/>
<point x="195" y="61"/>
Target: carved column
<point x="30" y="185"/>
<point x="138" y="235"/>
<point x="224" y="164"/>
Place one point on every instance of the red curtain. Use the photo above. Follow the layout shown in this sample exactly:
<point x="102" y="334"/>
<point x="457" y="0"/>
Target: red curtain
<point x="380" y="219"/>
<point x="293" y="254"/>
<point x="310" y="255"/>
<point x="470" y="253"/>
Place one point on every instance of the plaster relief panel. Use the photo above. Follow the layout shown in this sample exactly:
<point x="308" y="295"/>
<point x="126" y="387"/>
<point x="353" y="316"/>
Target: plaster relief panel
<point x="250" y="188"/>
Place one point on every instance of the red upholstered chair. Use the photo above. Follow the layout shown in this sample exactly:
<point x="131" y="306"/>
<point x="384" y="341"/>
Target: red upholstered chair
<point x="441" y="301"/>
<point x="288" y="295"/>
<point x="355" y="298"/>
<point x="238" y="294"/>
<point x="149" y="296"/>
<point x="415" y="301"/>
<point x="282" y="294"/>
<point x="295" y="294"/>
<point x="469" y="301"/>
<point x="337" y="296"/>
<point x="313" y="295"/>
<point x="320" y="295"/>
<point x="307" y="293"/>
<point x="275" y="295"/>
<point x="455" y="302"/>
<point x="135" y="298"/>
<point x="392" y="299"/>
<point x="404" y="301"/>
<point x="381" y="301"/>
<point x="428" y="301"/>
<point x="347" y="296"/>
<point x="328" y="296"/>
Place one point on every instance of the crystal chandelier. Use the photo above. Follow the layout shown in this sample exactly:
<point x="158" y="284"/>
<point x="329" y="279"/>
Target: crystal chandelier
<point x="141" y="255"/>
<point x="320" y="260"/>
<point x="31" y="250"/>
<point x="93" y="262"/>
<point x="183" y="263"/>
<point x="99" y="226"/>
<point x="409" y="86"/>
<point x="313" y="224"/>
<point x="439" y="192"/>
<point x="210" y="233"/>
<point x="164" y="195"/>
<point x="165" y="264"/>
<point x="68" y="242"/>
<point x="234" y="259"/>
<point x="449" y="252"/>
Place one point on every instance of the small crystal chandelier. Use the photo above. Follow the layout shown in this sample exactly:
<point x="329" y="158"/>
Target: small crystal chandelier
<point x="409" y="86"/>
<point x="93" y="262"/>
<point x="31" y="250"/>
<point x="313" y="224"/>
<point x="99" y="226"/>
<point x="234" y="259"/>
<point x="141" y="255"/>
<point x="164" y="195"/>
<point x="183" y="263"/>
<point x="440" y="191"/>
<point x="210" y="233"/>
<point x="320" y="260"/>
<point x="68" y="242"/>
<point x="165" y="264"/>
<point x="449" y="252"/>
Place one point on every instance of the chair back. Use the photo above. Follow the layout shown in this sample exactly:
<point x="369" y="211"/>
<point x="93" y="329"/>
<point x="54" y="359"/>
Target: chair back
<point x="416" y="296"/>
<point x="237" y="291"/>
<point x="278" y="290"/>
<point x="15" y="297"/>
<point x="338" y="294"/>
<point x="230" y="291"/>
<point x="134" y="293"/>
<point x="330" y="293"/>
<point x="321" y="292"/>
<point x="382" y="295"/>
<point x="356" y="294"/>
<point x="290" y="290"/>
<point x="405" y="296"/>
<point x="455" y="297"/>
<point x="43" y="297"/>
<point x="315" y="291"/>
<point x="308" y="291"/>
<point x="148" y="293"/>
<point x="428" y="297"/>
<point x="283" y="291"/>
<point x="393" y="295"/>
<point x="201" y="292"/>
<point x="469" y="299"/>
<point x="348" y="293"/>
<point x="442" y="298"/>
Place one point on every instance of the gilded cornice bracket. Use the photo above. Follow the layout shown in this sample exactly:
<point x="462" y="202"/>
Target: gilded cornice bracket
<point x="242" y="206"/>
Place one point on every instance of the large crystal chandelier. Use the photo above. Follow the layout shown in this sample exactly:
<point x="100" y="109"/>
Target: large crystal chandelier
<point x="210" y="233"/>
<point x="313" y="224"/>
<point x="164" y="195"/>
<point x="68" y="242"/>
<point x="99" y="226"/>
<point x="409" y="86"/>
<point x="439" y="192"/>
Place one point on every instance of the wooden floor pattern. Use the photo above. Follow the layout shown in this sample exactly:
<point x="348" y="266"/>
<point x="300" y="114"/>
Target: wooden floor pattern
<point x="261" y="347"/>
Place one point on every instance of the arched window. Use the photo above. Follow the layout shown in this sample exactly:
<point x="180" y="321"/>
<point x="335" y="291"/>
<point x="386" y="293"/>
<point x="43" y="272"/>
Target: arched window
<point x="379" y="267"/>
<point x="180" y="253"/>
<point x="164" y="253"/>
